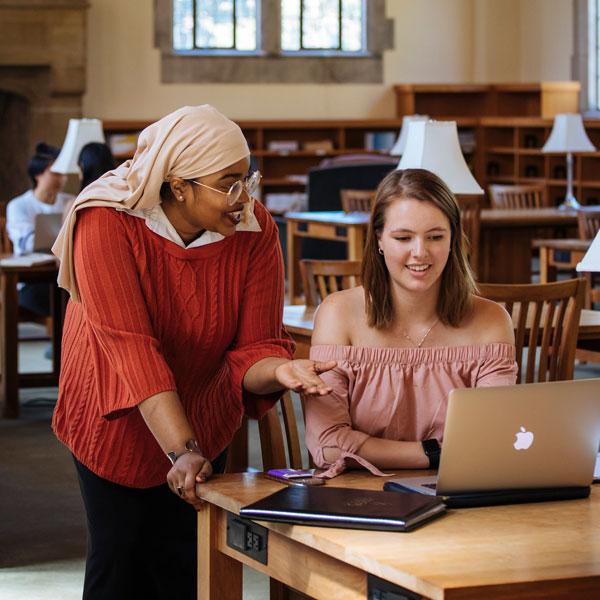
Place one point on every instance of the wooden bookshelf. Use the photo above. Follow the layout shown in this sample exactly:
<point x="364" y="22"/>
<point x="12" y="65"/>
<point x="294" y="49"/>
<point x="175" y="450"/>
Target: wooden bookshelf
<point x="283" y="169"/>
<point x="505" y="126"/>
<point x="544" y="99"/>
<point x="511" y="153"/>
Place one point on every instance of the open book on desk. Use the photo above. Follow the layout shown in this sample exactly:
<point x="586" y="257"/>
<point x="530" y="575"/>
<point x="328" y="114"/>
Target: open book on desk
<point x="28" y="260"/>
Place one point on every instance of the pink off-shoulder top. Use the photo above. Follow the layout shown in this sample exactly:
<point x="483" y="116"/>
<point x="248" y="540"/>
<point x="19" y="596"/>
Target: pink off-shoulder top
<point x="394" y="393"/>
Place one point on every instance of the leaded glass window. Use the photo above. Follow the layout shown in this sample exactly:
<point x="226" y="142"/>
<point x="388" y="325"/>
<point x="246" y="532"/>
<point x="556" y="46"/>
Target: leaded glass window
<point x="215" y="25"/>
<point x="323" y="25"/>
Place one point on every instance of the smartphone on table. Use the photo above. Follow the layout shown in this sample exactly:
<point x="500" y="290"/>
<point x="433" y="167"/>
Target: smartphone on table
<point x="295" y="476"/>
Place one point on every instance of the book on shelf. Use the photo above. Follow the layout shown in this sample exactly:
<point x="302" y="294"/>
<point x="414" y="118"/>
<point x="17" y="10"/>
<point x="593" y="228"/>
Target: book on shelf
<point x="382" y="141"/>
<point x="318" y="146"/>
<point x="283" y="145"/>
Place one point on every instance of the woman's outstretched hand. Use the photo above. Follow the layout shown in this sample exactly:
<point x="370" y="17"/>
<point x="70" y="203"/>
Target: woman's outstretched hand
<point x="302" y="375"/>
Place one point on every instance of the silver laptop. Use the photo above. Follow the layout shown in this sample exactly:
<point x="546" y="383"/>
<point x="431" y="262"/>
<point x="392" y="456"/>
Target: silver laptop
<point x="530" y="436"/>
<point x="47" y="227"/>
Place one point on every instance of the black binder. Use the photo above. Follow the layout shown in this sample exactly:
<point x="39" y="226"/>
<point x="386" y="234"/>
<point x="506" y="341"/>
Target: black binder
<point x="346" y="508"/>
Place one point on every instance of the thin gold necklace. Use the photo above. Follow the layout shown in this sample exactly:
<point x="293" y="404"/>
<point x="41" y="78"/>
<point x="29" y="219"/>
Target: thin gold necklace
<point x="420" y="343"/>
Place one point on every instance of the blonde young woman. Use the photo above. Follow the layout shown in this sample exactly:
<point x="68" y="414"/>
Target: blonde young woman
<point x="412" y="332"/>
<point x="173" y="333"/>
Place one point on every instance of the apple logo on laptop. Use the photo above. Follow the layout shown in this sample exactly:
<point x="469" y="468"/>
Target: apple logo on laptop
<point x="524" y="439"/>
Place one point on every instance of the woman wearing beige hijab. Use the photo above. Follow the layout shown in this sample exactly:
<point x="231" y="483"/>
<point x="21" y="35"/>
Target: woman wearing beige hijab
<point x="173" y="333"/>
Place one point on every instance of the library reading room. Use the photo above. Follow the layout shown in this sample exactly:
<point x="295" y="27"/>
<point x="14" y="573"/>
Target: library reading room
<point x="299" y="299"/>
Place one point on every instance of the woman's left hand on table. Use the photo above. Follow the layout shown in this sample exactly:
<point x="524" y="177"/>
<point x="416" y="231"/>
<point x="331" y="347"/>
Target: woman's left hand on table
<point x="302" y="376"/>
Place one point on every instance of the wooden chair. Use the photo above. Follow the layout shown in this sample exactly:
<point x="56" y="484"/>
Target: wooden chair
<point x="470" y="216"/>
<point x="279" y="455"/>
<point x="588" y="222"/>
<point x="273" y="430"/>
<point x="546" y="318"/>
<point x="323" y="277"/>
<point x="357" y="200"/>
<point x="518" y="196"/>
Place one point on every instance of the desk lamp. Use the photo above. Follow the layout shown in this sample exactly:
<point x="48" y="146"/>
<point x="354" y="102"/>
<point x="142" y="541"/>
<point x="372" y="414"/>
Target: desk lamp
<point x="400" y="145"/>
<point x="433" y="145"/>
<point x="79" y="133"/>
<point x="567" y="136"/>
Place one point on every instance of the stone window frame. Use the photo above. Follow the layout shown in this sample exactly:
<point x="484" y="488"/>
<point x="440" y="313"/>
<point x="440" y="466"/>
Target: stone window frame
<point x="585" y="68"/>
<point x="270" y="64"/>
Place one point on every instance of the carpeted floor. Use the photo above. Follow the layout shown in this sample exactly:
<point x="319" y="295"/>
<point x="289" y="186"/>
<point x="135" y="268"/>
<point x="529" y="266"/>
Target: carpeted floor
<point x="43" y="518"/>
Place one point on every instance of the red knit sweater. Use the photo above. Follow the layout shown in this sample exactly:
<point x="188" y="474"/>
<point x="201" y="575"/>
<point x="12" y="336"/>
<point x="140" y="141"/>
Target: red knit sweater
<point x="153" y="317"/>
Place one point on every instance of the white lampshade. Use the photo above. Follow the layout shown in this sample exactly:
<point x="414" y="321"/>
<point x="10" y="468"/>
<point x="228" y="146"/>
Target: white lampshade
<point x="433" y="145"/>
<point x="568" y="135"/>
<point x="400" y="145"/>
<point x="79" y="133"/>
<point x="591" y="259"/>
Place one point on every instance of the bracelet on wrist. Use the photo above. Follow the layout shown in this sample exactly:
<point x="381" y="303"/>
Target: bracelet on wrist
<point x="190" y="446"/>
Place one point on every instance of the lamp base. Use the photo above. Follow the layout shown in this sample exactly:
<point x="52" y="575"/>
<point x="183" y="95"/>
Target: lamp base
<point x="570" y="204"/>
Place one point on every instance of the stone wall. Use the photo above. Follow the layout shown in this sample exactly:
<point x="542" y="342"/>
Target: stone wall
<point x="43" y="61"/>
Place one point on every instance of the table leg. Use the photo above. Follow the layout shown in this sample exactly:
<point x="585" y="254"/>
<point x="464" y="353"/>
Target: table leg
<point x="356" y="243"/>
<point x="219" y="576"/>
<point x="293" y="266"/>
<point x="544" y="256"/>
<point x="9" y="346"/>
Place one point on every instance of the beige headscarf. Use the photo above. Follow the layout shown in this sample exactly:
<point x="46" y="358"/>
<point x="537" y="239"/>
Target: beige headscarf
<point x="191" y="142"/>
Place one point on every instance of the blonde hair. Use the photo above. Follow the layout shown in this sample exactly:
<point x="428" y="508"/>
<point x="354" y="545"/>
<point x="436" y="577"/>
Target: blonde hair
<point x="457" y="282"/>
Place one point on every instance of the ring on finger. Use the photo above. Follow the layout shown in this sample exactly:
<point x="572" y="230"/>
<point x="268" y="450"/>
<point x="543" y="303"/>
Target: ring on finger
<point x="180" y="491"/>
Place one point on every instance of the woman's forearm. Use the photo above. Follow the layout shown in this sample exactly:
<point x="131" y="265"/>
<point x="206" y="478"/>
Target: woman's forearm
<point x="166" y="419"/>
<point x="260" y="377"/>
<point x="387" y="454"/>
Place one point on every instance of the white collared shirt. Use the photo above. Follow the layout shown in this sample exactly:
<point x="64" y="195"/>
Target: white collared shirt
<point x="157" y="221"/>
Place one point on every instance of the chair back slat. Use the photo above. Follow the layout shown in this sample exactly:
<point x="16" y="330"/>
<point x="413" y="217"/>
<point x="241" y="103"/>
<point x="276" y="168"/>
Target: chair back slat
<point x="357" y="200"/>
<point x="547" y="341"/>
<point x="534" y="330"/>
<point x="518" y="196"/>
<point x="546" y="323"/>
<point x="323" y="277"/>
<point x="276" y="454"/>
<point x="291" y="432"/>
<point x="271" y="441"/>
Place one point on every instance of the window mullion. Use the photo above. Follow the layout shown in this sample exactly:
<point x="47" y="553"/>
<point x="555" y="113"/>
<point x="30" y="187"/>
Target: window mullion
<point x="340" y="20"/>
<point x="301" y="24"/>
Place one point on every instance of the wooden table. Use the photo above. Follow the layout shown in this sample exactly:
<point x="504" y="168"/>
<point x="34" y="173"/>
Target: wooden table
<point x="559" y="254"/>
<point x="299" y="321"/>
<point x="12" y="380"/>
<point x="549" y="550"/>
<point x="505" y="239"/>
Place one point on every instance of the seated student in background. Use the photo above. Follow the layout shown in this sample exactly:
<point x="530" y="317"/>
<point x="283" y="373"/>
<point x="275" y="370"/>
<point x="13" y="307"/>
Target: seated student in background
<point x="94" y="160"/>
<point x="411" y="333"/>
<point x="46" y="196"/>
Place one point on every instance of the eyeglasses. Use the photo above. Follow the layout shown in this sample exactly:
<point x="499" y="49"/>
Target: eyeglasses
<point x="248" y="184"/>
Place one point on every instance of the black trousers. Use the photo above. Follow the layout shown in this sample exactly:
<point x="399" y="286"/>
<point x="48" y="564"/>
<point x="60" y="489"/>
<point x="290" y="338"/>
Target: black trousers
<point x="141" y="542"/>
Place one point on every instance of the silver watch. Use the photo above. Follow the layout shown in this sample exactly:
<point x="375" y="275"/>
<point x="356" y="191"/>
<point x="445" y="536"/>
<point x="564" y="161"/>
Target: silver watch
<point x="190" y="446"/>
